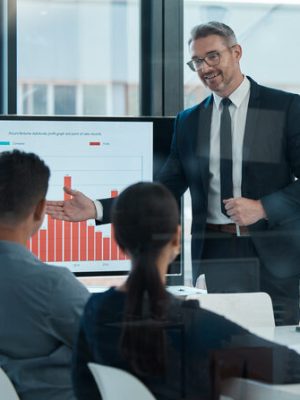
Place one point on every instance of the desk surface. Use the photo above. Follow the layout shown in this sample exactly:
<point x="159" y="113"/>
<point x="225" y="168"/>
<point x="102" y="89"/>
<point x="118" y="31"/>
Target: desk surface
<point x="175" y="290"/>
<point x="286" y="335"/>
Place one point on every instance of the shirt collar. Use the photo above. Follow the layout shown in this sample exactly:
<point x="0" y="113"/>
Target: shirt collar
<point x="237" y="96"/>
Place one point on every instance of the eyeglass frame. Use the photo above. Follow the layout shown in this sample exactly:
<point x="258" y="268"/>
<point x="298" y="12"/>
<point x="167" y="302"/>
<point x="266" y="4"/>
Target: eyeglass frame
<point x="203" y="60"/>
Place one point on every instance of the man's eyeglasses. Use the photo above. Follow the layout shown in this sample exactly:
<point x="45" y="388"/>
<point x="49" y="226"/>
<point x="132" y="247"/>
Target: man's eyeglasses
<point x="211" y="59"/>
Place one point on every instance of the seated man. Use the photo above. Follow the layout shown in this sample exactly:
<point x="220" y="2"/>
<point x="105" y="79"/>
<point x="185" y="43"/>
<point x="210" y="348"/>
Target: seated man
<point x="40" y="305"/>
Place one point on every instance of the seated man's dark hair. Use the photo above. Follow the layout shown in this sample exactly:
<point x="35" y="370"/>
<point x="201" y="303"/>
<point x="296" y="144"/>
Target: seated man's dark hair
<point x="23" y="183"/>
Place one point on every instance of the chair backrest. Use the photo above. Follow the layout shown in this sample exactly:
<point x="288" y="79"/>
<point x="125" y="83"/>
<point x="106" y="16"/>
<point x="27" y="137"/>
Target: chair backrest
<point x="116" y="384"/>
<point x="7" y="389"/>
<point x="246" y="389"/>
<point x="249" y="310"/>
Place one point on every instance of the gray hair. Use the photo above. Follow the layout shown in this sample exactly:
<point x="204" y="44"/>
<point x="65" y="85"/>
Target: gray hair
<point x="213" y="28"/>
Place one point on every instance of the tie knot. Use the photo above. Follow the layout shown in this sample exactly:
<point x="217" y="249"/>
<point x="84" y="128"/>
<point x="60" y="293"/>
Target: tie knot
<point x="226" y="102"/>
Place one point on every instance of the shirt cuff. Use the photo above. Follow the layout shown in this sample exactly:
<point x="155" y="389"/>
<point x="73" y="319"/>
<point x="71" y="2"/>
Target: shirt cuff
<point x="99" y="210"/>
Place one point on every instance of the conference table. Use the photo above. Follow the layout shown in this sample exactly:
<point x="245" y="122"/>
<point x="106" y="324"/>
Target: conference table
<point x="247" y="389"/>
<point x="287" y="335"/>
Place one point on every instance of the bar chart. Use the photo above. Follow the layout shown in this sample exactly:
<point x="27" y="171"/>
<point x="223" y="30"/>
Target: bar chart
<point x="97" y="158"/>
<point x="63" y="241"/>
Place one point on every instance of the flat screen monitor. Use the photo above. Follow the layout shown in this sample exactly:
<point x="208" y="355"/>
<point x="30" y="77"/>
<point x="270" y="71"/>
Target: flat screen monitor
<point x="99" y="156"/>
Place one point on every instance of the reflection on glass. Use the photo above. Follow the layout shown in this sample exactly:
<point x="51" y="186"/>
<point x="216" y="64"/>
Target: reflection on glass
<point x="64" y="100"/>
<point x="73" y="50"/>
<point x="34" y="99"/>
<point x="94" y="99"/>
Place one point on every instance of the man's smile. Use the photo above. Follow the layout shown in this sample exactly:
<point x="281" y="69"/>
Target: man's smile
<point x="213" y="75"/>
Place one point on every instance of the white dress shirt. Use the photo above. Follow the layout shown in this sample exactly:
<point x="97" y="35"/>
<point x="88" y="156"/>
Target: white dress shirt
<point x="238" y="112"/>
<point x="99" y="210"/>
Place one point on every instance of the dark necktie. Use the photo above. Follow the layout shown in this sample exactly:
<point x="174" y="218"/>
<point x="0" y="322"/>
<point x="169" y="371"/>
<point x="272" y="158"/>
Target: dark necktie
<point x="225" y="154"/>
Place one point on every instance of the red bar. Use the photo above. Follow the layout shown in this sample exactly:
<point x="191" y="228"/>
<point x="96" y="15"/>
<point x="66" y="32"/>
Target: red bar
<point x="95" y="143"/>
<point x="75" y="236"/>
<point x="122" y="255"/>
<point x="91" y="243"/>
<point x="67" y="241"/>
<point x="58" y="241"/>
<point x="35" y="244"/>
<point x="98" y="245"/>
<point x="68" y="184"/>
<point x="106" y="248"/>
<point x="50" y="239"/>
<point x="82" y="238"/>
<point x="43" y="244"/>
<point x="114" y="247"/>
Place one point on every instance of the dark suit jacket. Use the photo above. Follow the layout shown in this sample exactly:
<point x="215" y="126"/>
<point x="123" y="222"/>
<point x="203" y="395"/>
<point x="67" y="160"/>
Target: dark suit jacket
<point x="271" y="161"/>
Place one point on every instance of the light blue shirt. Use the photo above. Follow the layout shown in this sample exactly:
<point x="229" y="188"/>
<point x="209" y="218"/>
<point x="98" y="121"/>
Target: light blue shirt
<point x="40" y="308"/>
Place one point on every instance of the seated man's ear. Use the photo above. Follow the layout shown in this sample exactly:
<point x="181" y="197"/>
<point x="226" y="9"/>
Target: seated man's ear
<point x="39" y="211"/>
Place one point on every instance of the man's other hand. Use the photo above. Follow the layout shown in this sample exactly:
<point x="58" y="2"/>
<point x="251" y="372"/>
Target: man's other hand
<point x="244" y="211"/>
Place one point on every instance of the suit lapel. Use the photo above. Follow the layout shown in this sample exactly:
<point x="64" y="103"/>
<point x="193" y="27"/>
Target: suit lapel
<point x="251" y="120"/>
<point x="202" y="144"/>
<point x="203" y="132"/>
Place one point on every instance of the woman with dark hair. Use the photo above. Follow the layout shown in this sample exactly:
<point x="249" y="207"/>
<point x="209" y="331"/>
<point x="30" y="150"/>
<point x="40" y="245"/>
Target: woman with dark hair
<point x="169" y="344"/>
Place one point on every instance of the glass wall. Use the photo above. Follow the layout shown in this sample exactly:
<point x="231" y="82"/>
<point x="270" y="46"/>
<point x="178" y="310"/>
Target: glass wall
<point x="78" y="57"/>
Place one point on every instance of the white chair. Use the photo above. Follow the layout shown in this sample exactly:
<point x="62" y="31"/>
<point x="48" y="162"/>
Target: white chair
<point x="250" y="310"/>
<point x="116" y="384"/>
<point x="246" y="389"/>
<point x="7" y="389"/>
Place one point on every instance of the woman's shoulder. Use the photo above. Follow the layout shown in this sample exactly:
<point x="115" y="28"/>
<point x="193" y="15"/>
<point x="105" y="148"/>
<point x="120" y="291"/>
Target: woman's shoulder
<point x="180" y="308"/>
<point x="105" y="304"/>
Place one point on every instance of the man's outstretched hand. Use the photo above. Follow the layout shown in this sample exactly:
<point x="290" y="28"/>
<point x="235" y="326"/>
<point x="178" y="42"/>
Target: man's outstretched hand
<point x="78" y="208"/>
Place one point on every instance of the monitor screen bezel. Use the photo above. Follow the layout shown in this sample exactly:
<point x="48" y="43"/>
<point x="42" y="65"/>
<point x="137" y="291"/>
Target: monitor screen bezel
<point x="161" y="147"/>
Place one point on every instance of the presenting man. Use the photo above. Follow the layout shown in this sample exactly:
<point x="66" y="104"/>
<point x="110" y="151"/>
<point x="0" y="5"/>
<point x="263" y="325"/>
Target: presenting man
<point x="40" y="304"/>
<point x="239" y="154"/>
